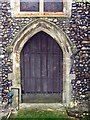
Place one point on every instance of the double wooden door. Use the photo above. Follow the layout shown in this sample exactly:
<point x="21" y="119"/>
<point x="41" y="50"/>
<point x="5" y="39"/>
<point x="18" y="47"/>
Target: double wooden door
<point x="41" y="69"/>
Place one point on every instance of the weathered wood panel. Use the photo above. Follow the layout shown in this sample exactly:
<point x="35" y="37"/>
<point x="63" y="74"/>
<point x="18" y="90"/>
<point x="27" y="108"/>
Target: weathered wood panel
<point x="41" y="66"/>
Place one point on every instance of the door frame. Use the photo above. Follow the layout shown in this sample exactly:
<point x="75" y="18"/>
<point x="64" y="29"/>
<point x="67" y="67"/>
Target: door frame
<point x="60" y="37"/>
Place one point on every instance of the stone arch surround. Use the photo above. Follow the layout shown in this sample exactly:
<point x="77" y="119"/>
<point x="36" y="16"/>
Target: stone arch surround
<point x="59" y="36"/>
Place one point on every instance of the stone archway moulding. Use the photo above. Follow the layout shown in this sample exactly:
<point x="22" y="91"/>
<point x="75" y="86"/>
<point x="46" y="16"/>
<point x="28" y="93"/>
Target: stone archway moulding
<point x="59" y="36"/>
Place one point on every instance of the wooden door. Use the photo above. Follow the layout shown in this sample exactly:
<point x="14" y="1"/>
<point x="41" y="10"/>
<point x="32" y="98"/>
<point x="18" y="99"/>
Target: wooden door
<point x="41" y="70"/>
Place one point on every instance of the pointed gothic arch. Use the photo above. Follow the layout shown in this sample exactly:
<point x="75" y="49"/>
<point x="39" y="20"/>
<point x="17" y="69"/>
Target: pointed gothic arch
<point x="59" y="36"/>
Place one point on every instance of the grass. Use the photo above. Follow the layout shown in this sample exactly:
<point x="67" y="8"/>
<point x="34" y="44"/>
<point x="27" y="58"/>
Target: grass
<point x="39" y="114"/>
<point x="35" y="114"/>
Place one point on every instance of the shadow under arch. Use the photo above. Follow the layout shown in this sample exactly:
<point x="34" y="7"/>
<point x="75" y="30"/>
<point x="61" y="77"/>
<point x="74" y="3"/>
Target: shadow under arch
<point x="59" y="36"/>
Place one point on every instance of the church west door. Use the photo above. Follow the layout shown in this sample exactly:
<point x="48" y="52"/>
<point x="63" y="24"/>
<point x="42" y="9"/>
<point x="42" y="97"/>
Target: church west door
<point x="41" y="66"/>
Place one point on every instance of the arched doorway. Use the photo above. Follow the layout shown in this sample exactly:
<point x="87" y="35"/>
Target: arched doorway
<point x="41" y="69"/>
<point x="59" y="37"/>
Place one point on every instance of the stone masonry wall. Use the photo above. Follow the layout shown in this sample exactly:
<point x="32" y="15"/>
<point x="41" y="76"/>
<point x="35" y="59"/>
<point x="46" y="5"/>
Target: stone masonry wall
<point x="5" y="40"/>
<point x="77" y="28"/>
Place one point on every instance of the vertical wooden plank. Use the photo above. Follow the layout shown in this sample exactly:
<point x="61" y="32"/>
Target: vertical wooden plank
<point x="22" y="71"/>
<point x="26" y="64"/>
<point x="44" y="73"/>
<point x="37" y="73"/>
<point x="44" y="70"/>
<point x="61" y="70"/>
<point x="44" y="43"/>
<point x="50" y="74"/>
<point x="55" y="70"/>
<point x="32" y="72"/>
<point x="50" y="45"/>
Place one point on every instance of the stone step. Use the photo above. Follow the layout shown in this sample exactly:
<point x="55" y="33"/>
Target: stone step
<point x="43" y="106"/>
